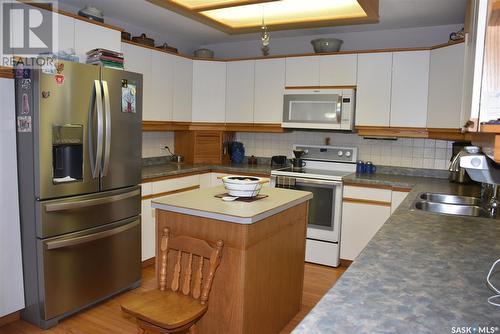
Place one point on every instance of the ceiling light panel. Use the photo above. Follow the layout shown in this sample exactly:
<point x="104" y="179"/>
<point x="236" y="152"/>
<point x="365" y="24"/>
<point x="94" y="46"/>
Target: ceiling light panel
<point x="283" y="12"/>
<point x="200" y="4"/>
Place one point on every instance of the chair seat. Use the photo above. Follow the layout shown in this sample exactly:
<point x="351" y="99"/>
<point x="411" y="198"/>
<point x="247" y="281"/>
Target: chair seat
<point x="165" y="309"/>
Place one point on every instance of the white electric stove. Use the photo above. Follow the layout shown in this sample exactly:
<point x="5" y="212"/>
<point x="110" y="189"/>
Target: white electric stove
<point x="324" y="168"/>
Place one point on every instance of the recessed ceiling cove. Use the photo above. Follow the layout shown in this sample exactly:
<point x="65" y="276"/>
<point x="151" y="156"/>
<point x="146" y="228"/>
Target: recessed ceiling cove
<point x="244" y="16"/>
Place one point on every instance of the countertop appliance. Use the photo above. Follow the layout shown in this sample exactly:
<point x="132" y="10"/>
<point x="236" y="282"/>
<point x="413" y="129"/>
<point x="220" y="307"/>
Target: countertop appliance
<point x="79" y="162"/>
<point x="457" y="173"/>
<point x="279" y="160"/>
<point x="330" y="109"/>
<point x="324" y="168"/>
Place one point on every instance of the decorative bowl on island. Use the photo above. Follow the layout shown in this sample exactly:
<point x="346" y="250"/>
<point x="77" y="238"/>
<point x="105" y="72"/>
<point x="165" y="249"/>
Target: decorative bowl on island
<point x="243" y="186"/>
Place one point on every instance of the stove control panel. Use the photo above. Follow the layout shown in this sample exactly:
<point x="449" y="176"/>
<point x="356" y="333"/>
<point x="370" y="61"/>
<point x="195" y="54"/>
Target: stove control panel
<point x="329" y="153"/>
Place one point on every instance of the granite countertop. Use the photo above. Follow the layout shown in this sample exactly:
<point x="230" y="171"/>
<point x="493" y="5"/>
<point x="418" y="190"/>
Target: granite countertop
<point x="203" y="203"/>
<point x="169" y="169"/>
<point x="421" y="273"/>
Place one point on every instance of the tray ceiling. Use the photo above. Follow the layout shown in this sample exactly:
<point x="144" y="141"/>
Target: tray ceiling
<point x="244" y="16"/>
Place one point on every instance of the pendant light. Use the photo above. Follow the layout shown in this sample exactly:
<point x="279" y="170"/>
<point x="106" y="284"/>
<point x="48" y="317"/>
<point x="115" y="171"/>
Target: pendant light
<point x="265" y="38"/>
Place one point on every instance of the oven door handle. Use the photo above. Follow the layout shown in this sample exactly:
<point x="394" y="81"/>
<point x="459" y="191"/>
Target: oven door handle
<point x="318" y="182"/>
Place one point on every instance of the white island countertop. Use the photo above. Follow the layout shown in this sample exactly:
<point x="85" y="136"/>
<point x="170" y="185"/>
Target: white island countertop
<point x="203" y="203"/>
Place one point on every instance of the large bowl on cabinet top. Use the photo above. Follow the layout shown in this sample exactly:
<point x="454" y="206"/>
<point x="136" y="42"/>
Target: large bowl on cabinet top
<point x="322" y="45"/>
<point x="242" y="186"/>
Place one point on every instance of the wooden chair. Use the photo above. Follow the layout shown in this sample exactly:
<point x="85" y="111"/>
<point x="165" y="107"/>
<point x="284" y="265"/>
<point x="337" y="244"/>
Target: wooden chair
<point x="175" y="308"/>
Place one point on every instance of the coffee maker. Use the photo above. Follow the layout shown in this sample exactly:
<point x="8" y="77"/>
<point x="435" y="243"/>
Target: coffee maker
<point x="297" y="162"/>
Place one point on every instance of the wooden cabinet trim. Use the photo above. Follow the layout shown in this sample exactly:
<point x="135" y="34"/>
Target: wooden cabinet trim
<point x="320" y="87"/>
<point x="171" y="192"/>
<point x="367" y="185"/>
<point x="401" y="189"/>
<point x="366" y="201"/>
<point x="207" y="171"/>
<point x="377" y="186"/>
<point x="6" y="72"/>
<point x="175" y="176"/>
<point x="284" y="56"/>
<point x="193" y="126"/>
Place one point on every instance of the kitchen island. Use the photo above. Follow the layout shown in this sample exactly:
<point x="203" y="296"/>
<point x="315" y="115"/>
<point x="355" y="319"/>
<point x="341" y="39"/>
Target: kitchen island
<point x="258" y="286"/>
<point x="421" y="273"/>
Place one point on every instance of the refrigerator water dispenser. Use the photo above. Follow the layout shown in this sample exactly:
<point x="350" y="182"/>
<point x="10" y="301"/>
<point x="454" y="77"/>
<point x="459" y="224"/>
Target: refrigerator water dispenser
<point x="67" y="153"/>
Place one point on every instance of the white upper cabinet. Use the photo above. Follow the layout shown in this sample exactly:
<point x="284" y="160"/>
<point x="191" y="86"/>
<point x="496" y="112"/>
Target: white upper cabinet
<point x="183" y="79"/>
<point x="138" y="59"/>
<point x="269" y="88"/>
<point x="209" y="91"/>
<point x="410" y="87"/>
<point x="89" y="36"/>
<point x="162" y="75"/>
<point x="240" y="91"/>
<point x="302" y="71"/>
<point x="373" y="98"/>
<point x="446" y="87"/>
<point x="338" y="70"/>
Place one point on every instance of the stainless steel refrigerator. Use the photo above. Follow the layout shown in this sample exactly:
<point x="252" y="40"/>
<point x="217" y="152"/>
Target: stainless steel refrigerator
<point x="79" y="160"/>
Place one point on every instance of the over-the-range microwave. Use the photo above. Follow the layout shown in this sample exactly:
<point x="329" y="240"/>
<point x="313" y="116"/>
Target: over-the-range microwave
<point x="330" y="109"/>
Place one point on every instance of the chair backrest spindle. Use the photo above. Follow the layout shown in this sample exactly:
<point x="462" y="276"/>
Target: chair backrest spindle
<point x="163" y="263"/>
<point x="194" y="247"/>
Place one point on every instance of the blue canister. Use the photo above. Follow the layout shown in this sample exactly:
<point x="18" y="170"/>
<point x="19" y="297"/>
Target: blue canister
<point x="237" y="152"/>
<point x="370" y="168"/>
<point x="360" y="167"/>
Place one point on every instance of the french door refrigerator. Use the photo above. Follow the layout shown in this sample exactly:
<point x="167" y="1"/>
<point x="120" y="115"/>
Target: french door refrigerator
<point x="79" y="161"/>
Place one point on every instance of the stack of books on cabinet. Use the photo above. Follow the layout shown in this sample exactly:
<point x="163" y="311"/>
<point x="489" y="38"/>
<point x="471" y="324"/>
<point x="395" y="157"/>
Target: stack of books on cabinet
<point x="105" y="58"/>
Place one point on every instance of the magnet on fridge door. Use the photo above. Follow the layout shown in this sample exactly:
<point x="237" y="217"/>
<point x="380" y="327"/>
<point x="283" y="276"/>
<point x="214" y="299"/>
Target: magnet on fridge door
<point x="26" y="105"/>
<point x="23" y="123"/>
<point x="25" y="84"/>
<point x="59" y="79"/>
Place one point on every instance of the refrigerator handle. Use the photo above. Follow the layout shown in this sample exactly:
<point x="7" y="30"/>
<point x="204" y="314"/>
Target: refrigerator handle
<point x="96" y="104"/>
<point x="107" y="144"/>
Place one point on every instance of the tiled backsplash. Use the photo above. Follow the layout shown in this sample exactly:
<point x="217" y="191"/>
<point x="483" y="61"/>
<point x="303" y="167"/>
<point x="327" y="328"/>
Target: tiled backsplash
<point x="404" y="152"/>
<point x="153" y="143"/>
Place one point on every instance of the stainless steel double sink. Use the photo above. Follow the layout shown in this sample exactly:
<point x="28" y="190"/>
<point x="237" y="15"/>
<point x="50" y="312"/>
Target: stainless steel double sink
<point x="451" y="205"/>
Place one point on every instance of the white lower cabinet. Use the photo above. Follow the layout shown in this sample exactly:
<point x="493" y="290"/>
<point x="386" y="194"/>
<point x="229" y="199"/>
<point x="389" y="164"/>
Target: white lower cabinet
<point x="360" y="222"/>
<point x="148" y="230"/>
<point x="364" y="211"/>
<point x="397" y="198"/>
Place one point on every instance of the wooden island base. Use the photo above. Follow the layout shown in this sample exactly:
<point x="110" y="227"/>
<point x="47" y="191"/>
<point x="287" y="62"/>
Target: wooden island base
<point x="258" y="286"/>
